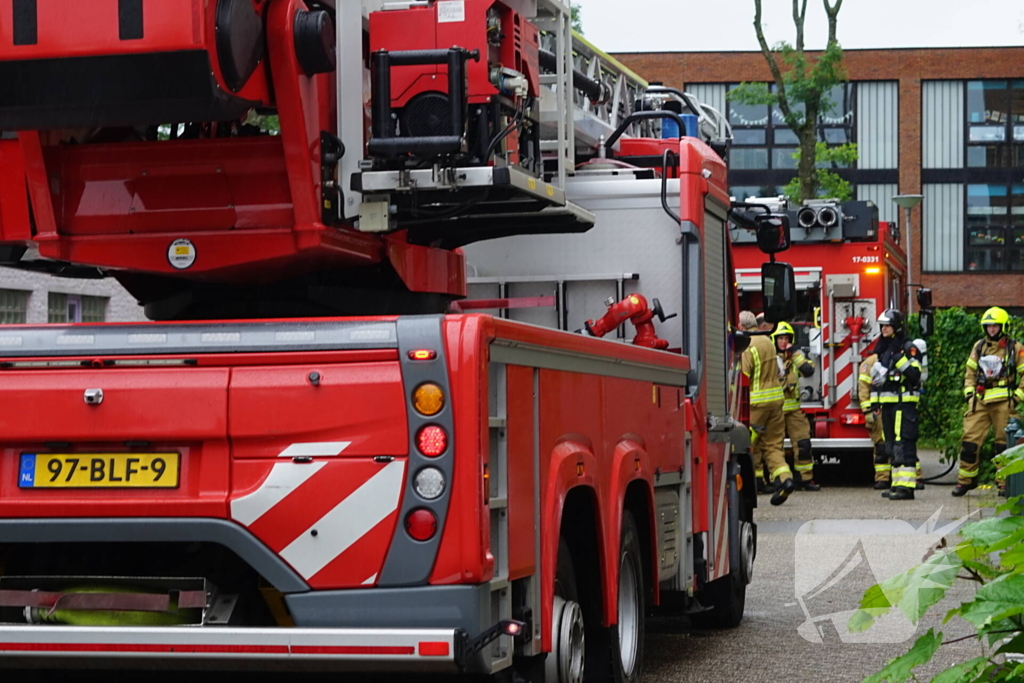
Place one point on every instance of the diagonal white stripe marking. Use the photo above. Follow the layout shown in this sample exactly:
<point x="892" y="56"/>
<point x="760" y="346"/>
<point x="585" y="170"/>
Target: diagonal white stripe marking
<point x="369" y="581"/>
<point x="350" y="520"/>
<point x="721" y="526"/>
<point x="284" y="478"/>
<point x="318" y="448"/>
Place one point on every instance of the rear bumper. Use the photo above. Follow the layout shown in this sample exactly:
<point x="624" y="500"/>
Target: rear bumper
<point x="438" y="650"/>
<point x="837" y="444"/>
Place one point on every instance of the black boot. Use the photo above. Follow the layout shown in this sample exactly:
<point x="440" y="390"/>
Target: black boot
<point x="782" y="491"/>
<point x="809" y="485"/>
<point x="882" y="485"/>
<point x="962" y="489"/>
<point x="901" y="493"/>
<point x="765" y="488"/>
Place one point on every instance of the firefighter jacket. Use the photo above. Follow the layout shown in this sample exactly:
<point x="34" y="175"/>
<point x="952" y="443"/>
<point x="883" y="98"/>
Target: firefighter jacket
<point x="796" y="364"/>
<point x="867" y="392"/>
<point x="901" y="380"/>
<point x="995" y="371"/>
<point x="760" y="365"/>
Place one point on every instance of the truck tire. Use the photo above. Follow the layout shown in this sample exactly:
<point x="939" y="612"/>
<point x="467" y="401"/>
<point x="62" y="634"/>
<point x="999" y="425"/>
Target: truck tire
<point x="628" y="636"/>
<point x="565" y="662"/>
<point x="727" y="596"/>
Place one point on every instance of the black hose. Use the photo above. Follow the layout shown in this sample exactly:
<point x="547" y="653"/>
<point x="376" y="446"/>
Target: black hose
<point x="588" y="86"/>
<point x="931" y="480"/>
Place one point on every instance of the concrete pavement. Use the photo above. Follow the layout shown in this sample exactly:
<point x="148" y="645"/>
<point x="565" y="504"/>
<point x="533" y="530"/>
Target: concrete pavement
<point x="800" y="542"/>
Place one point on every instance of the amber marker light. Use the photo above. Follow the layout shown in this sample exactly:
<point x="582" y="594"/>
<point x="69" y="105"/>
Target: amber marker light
<point x="428" y="399"/>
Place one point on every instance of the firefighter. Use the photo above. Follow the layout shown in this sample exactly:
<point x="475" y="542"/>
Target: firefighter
<point x="798" y="430"/>
<point x="760" y="365"/>
<point x="897" y="375"/>
<point x="868" y="395"/>
<point x="993" y="387"/>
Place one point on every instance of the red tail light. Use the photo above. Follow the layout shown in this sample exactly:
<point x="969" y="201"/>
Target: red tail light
<point x="432" y="441"/>
<point x="852" y="418"/>
<point x="421" y="524"/>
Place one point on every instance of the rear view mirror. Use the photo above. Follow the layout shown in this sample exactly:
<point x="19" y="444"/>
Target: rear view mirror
<point x="926" y="321"/>
<point x="778" y="287"/>
<point x="772" y="232"/>
<point x="924" y="297"/>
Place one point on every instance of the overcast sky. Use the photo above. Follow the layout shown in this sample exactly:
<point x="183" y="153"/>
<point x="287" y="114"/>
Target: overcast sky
<point x="719" y="25"/>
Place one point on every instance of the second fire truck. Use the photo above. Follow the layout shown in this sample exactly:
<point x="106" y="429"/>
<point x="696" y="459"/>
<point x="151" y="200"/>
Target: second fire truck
<point x="849" y="268"/>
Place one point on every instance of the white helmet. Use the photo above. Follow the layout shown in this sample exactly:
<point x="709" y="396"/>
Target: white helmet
<point x="921" y="345"/>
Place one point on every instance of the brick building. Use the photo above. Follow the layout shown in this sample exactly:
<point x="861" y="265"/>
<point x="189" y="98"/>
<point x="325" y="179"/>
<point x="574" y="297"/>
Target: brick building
<point x="27" y="297"/>
<point x="945" y="123"/>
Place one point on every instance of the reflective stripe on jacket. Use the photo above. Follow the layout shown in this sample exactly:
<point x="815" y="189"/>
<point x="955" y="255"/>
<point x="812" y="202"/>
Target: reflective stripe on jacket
<point x="759" y="365"/>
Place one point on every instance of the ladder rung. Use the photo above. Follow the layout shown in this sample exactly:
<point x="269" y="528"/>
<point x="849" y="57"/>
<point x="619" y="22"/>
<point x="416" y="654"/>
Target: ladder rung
<point x="498" y="503"/>
<point x="497" y="422"/>
<point x="498" y="584"/>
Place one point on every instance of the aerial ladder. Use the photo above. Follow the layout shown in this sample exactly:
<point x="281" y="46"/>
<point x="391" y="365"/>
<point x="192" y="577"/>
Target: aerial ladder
<point x="143" y="146"/>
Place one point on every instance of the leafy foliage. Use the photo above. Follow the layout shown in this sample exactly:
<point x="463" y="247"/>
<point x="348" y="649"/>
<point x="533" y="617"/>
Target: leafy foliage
<point x="830" y="183"/>
<point x="577" y="21"/>
<point x="991" y="554"/>
<point x="802" y="83"/>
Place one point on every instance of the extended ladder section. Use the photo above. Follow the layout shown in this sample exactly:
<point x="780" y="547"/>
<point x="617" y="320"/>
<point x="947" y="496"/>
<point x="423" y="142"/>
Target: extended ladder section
<point x="496" y="164"/>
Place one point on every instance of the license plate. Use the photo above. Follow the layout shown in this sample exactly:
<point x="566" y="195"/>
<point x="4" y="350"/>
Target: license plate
<point x="99" y="470"/>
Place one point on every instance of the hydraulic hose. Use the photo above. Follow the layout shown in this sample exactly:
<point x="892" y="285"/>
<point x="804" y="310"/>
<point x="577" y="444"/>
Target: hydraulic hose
<point x="931" y="480"/>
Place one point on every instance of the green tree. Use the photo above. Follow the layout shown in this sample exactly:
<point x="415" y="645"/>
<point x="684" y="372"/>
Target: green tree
<point x="830" y="183"/>
<point x="990" y="555"/>
<point x="577" y="22"/>
<point x="802" y="84"/>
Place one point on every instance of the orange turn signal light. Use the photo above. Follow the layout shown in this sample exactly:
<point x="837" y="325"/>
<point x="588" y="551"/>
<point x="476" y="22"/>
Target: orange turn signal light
<point x="428" y="399"/>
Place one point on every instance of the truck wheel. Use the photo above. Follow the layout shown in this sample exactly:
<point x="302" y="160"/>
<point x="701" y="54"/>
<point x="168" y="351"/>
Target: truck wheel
<point x="628" y="656"/>
<point x="565" y="662"/>
<point x="727" y="596"/>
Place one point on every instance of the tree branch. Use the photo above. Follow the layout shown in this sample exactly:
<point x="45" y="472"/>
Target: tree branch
<point x="770" y="58"/>
<point x="833" y="16"/>
<point x="978" y="635"/>
<point x="799" y="14"/>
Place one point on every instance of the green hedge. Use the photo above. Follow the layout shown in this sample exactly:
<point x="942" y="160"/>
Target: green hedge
<point x="942" y="403"/>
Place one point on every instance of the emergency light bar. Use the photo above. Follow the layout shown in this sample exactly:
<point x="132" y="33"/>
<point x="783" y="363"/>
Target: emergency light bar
<point x="203" y="338"/>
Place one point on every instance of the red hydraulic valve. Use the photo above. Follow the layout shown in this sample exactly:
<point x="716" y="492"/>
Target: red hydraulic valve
<point x="634" y="309"/>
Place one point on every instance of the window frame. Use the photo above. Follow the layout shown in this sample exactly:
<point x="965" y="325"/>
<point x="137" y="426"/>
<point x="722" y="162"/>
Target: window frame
<point x="771" y="146"/>
<point x="1007" y="146"/>
<point x="1007" y="227"/>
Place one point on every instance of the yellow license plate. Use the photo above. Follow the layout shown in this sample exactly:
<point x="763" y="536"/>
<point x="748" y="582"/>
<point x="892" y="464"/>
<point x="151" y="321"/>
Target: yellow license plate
<point x="99" y="470"/>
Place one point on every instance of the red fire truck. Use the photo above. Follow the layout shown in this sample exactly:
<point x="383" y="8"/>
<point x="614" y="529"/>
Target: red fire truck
<point x="255" y="481"/>
<point x="849" y="268"/>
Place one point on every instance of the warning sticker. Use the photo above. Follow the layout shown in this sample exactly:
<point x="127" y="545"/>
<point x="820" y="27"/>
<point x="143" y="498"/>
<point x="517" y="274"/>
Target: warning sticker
<point x="181" y="254"/>
<point x="450" y="11"/>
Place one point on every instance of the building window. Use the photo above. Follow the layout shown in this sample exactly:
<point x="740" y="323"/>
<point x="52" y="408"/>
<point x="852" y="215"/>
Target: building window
<point x="762" y="140"/>
<point x="72" y="308"/>
<point x="13" y="306"/>
<point x="995" y="124"/>
<point x="995" y="228"/>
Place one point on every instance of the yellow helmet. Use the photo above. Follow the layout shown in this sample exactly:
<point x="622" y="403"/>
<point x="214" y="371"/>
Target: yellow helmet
<point x="784" y="328"/>
<point x="995" y="316"/>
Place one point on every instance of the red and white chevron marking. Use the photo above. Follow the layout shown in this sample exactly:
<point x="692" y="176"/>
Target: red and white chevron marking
<point x="331" y="520"/>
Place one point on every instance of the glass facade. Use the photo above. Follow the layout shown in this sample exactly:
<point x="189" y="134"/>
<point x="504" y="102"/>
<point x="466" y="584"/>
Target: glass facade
<point x="13" y="306"/>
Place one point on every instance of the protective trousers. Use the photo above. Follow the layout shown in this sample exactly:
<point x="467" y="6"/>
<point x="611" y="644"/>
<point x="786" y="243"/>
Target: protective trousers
<point x="798" y="431"/>
<point x="978" y="419"/>
<point x="883" y="465"/>
<point x="900" y="425"/>
<point x="767" y="432"/>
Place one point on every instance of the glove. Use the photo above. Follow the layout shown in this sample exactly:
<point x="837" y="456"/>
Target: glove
<point x="807" y="370"/>
<point x="968" y="395"/>
<point x="869" y="419"/>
